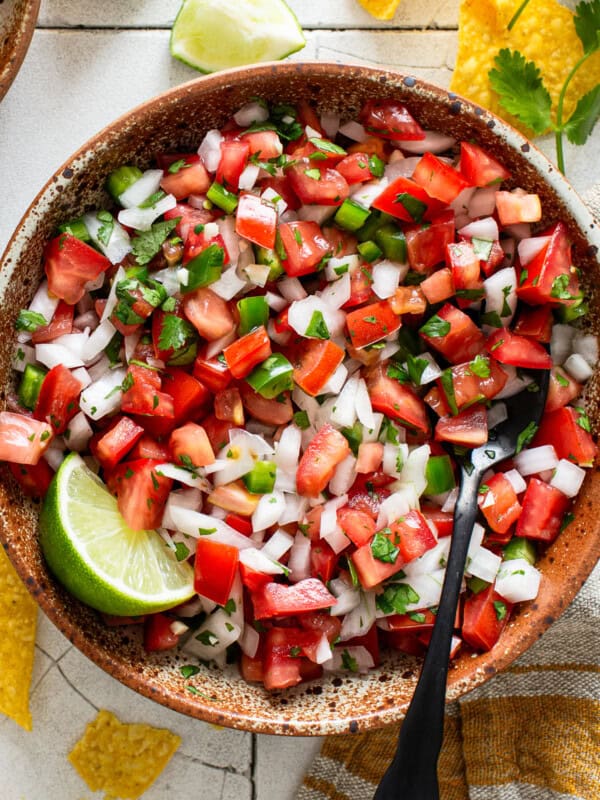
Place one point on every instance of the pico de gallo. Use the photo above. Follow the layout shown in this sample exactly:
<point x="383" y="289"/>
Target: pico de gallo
<point x="275" y="348"/>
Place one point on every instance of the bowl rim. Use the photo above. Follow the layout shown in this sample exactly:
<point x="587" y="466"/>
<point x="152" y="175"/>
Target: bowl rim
<point x="581" y="216"/>
<point x="20" y="38"/>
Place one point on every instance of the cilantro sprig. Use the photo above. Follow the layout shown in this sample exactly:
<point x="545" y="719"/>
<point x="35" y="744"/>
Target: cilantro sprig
<point x="522" y="93"/>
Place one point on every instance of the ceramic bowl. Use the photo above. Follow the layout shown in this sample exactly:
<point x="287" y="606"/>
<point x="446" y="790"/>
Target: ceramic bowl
<point x="177" y="120"/>
<point x="17" y="23"/>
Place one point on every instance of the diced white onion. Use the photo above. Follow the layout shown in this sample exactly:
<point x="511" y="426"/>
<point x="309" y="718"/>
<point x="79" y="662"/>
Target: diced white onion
<point x="516" y="480"/>
<point x="299" y="560"/>
<point x="578" y="368"/>
<point x="291" y="289"/>
<point x="141" y="189"/>
<point x="482" y="202"/>
<point x="278" y="545"/>
<point x="358" y="656"/>
<point x="353" y="130"/>
<point x="362" y="403"/>
<point x="435" y="558"/>
<point x="386" y="277"/>
<point x="51" y="355"/>
<point x="450" y="503"/>
<point x="43" y="302"/>
<point x="275" y="301"/>
<point x="256" y="560"/>
<point x="192" y="522"/>
<point x="249" y="641"/>
<point x="210" y="150"/>
<point x="483" y="564"/>
<point x="518" y="580"/>
<point x="183" y="476"/>
<point x="78" y="432"/>
<point x="344" y="476"/>
<point x="251" y="112"/>
<point x="536" y="459"/>
<point x="218" y="630"/>
<point x="433" y="142"/>
<point x="529" y="248"/>
<point x="183" y="498"/>
<point x="119" y="244"/>
<point x="516" y="383"/>
<point x="486" y="228"/>
<point x="276" y="199"/>
<point x="258" y="274"/>
<point x="349" y="263"/>
<point x="104" y="395"/>
<point x="83" y="376"/>
<point x="23" y="354"/>
<point x="568" y="477"/>
<point x="586" y="345"/>
<point x="142" y="218"/>
<point x="338" y="292"/>
<point x="366" y="193"/>
<point x="54" y="455"/>
<point x="98" y="340"/>
<point x="314" y="213"/>
<point x="361" y="619"/>
<point x="501" y="292"/>
<point x="229" y="284"/>
<point x="415" y="467"/>
<point x="344" y="411"/>
<point x="336" y="381"/>
<point x="268" y="511"/>
<point x="330" y="122"/>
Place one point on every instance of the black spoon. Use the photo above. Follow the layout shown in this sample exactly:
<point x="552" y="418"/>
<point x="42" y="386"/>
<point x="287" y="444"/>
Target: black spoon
<point x="412" y="775"/>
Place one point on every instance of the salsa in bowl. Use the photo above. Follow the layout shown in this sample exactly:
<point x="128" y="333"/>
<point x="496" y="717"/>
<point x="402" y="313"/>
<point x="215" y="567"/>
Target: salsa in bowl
<point x="297" y="314"/>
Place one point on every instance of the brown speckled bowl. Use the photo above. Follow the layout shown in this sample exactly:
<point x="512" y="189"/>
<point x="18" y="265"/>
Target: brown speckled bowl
<point x="177" y="120"/>
<point x="17" y="22"/>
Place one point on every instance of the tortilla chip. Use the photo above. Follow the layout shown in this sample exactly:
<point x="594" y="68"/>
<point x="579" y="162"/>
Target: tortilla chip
<point x="380" y="9"/>
<point x="544" y="33"/>
<point x="18" y="619"/>
<point x="120" y="759"/>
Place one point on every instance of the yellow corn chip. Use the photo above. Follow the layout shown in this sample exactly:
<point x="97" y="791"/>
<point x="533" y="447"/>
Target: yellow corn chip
<point x="18" y="617"/>
<point x="380" y="9"/>
<point x="120" y="759"/>
<point x="544" y="33"/>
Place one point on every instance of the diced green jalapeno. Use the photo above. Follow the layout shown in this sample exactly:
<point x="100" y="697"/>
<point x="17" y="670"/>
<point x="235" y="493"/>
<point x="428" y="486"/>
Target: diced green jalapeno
<point x="477" y="585"/>
<point x="370" y="251"/>
<point x="205" y="268"/>
<point x="222" y="198"/>
<point x="569" y="313"/>
<point x="270" y="259"/>
<point x="351" y="215"/>
<point x="520" y="548"/>
<point x="272" y="377"/>
<point x="392" y="242"/>
<point x="439" y="475"/>
<point x="121" y="179"/>
<point x="185" y="355"/>
<point x="372" y="223"/>
<point x="30" y="385"/>
<point x="76" y="227"/>
<point x="254" y="312"/>
<point x="261" y="478"/>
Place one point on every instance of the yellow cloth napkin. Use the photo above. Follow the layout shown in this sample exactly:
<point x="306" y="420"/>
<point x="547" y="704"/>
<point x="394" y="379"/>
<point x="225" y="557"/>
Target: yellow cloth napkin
<point x="530" y="733"/>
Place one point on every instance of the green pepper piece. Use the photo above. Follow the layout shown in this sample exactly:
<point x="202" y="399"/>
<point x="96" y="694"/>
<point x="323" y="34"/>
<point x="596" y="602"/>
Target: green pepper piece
<point x="205" y="268"/>
<point x="373" y="222"/>
<point x="261" y="478"/>
<point x="370" y="251"/>
<point x="520" y="548"/>
<point x="254" y="312"/>
<point x="270" y="259"/>
<point x="185" y="355"/>
<point x="76" y="227"/>
<point x="222" y="198"/>
<point x="439" y="475"/>
<point x="477" y="585"/>
<point x="31" y="383"/>
<point x="569" y="313"/>
<point x="392" y="241"/>
<point x="272" y="377"/>
<point x="351" y="215"/>
<point x="121" y="179"/>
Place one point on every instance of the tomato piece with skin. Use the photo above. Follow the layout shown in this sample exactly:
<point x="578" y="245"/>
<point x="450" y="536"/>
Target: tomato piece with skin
<point x="58" y="398"/>
<point x="355" y="168"/>
<point x="215" y="568"/>
<point x="281" y="187"/>
<point x="395" y="400"/>
<point x="280" y="669"/>
<point x="438" y="286"/>
<point x="518" y="351"/>
<point x="240" y="524"/>
<point x="314" y="362"/>
<point x="412" y="535"/>
<point x="114" y="445"/>
<point x="469" y="388"/>
<point x="60" y="324"/>
<point x="464" y="263"/>
<point x="370" y="324"/>
<point x="485" y="615"/>
<point x="197" y="241"/>
<point x="563" y="430"/>
<point x="479" y="168"/>
<point x="256" y="220"/>
<point x="535" y="323"/>
<point x="323" y="561"/>
<point x="212" y="373"/>
<point x="317" y="185"/>
<point x="359" y="526"/>
<point x="217" y="431"/>
<point x="370" y="456"/>
<point x="242" y="355"/>
<point x="141" y="492"/>
<point x="462" y="342"/>
<point x="439" y="179"/>
<point x="562" y="390"/>
<point x="342" y="243"/>
<point x="389" y="119"/>
<point x="551" y="263"/>
<point x="234" y="157"/>
<point x="304" y="245"/>
<point x="188" y="218"/>
<point x="371" y="571"/>
<point x="518" y="206"/>
<point x="360" y="288"/>
<point x="191" y="447"/>
<point x="144" y="395"/>
<point x="208" y="313"/>
<point x="443" y="520"/>
<point x="406" y="200"/>
<point x="158" y="634"/>
<point x="70" y="264"/>
<point x="322" y="622"/>
<point x="148" y="447"/>
<point x="34" y="479"/>
<point x="191" y="398"/>
<point x="318" y="462"/>
<point x="278" y="600"/>
<point x="265" y="144"/>
<point x="468" y="428"/>
<point x="499" y="503"/>
<point x="252" y="578"/>
<point x="190" y="178"/>
<point x="275" y="411"/>
<point x="414" y="623"/>
<point x="427" y="244"/>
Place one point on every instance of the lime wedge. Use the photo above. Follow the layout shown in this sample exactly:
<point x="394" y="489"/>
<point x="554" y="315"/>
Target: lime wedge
<point x="210" y="35"/>
<point x="97" y="557"/>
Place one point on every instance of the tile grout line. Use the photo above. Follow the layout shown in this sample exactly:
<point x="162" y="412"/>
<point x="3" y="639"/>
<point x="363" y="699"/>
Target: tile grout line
<point x="253" y="766"/>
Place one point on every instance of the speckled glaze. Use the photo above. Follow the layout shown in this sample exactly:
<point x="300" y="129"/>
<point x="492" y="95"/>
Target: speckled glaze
<point x="177" y="120"/>
<point x="17" y="22"/>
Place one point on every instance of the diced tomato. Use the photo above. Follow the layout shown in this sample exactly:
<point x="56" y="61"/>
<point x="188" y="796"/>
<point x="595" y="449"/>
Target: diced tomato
<point x="567" y="430"/>
<point x="438" y="286"/>
<point x="370" y="455"/>
<point x="437" y="401"/>
<point x="515" y="207"/>
<point x="485" y="616"/>
<point x="275" y="411"/>
<point x="234" y="157"/>
<point x="412" y="535"/>
<point x="304" y="245"/>
<point x="478" y="166"/>
<point x="396" y="400"/>
<point x="406" y="200"/>
<point x="562" y="389"/>
<point x="370" y="641"/>
<point x="217" y="431"/>
<point x="322" y="622"/>
<point x="408" y="300"/>
<point x="190" y="178"/>
<point x="114" y="445"/>
<point x="499" y="503"/>
<point x="215" y="568"/>
<point x="240" y="524"/>
<point x="324" y="561"/>
<point x="61" y="323"/>
<point x="265" y="144"/>
<point x="390" y="120"/>
<point x="464" y="263"/>
<point x="358" y="526"/>
<point x="462" y="342"/>
<point x="228" y="406"/>
<point x="427" y="244"/>
<point x="256" y="220"/>
<point x="360" y="288"/>
<point x="543" y="278"/>
<point x="191" y="447"/>
<point x="143" y="394"/>
<point x="443" y="520"/>
<point x="535" y="323"/>
<point x="188" y="218"/>
<point x="317" y="465"/>
<point x="372" y="323"/>
<point x="208" y="313"/>
<point x="416" y="622"/>
<point x="439" y="179"/>
<point x="190" y="397"/>
<point x="544" y="507"/>
<point x="518" y="351"/>
<point x="469" y="388"/>
<point x="371" y="571"/>
<point x="494" y="260"/>
<point x="197" y="242"/>
<point x="245" y="353"/>
<point x="251" y="669"/>
<point x="278" y="600"/>
<point x="317" y="185"/>
<point x="69" y="264"/>
<point x="341" y="243"/>
<point x="314" y="362"/>
<point x="281" y="187"/>
<point x="158" y="634"/>
<point x="58" y="399"/>
<point x="312" y="521"/>
<point x="280" y="669"/>
<point x="147" y="447"/>
<point x="34" y="479"/>
<point x="355" y="168"/>
<point x="408" y="643"/>
<point x="212" y="373"/>
<point x="307" y="116"/>
<point x="468" y="428"/>
<point x="253" y="579"/>
<point x="141" y="492"/>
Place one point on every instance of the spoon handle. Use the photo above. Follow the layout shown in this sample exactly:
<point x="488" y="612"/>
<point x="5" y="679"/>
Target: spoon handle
<point x="412" y="775"/>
